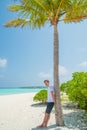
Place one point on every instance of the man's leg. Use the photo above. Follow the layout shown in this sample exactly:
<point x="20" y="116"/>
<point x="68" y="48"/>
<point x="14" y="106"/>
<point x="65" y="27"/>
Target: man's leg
<point x="45" y="121"/>
<point x="47" y="115"/>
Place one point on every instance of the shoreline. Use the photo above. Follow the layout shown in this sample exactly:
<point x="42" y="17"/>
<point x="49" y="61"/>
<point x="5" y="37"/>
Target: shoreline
<point x="20" y="112"/>
<point x="12" y="94"/>
<point x="11" y="91"/>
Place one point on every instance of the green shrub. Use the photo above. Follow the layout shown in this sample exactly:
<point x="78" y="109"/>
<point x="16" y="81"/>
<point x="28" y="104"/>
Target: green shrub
<point x="63" y="87"/>
<point x="41" y="96"/>
<point x="76" y="89"/>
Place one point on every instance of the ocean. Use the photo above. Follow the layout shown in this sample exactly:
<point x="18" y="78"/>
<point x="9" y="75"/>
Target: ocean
<point x="9" y="91"/>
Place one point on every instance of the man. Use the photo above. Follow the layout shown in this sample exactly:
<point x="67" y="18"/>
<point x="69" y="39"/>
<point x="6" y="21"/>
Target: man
<point x="50" y="104"/>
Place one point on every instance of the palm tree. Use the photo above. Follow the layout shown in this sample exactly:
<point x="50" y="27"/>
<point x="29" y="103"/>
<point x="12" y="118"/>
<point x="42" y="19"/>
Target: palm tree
<point x="36" y="13"/>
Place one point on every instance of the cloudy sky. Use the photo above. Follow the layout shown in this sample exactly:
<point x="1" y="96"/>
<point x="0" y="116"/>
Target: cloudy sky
<point x="26" y="56"/>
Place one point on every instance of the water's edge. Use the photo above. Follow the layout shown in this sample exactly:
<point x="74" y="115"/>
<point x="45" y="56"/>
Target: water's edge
<point x="9" y="91"/>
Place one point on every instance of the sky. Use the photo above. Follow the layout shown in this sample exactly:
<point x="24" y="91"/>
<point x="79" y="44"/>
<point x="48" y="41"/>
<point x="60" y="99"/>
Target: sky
<point x="26" y="56"/>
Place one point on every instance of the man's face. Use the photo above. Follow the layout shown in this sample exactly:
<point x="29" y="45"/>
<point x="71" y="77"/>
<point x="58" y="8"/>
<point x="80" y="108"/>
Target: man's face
<point x="46" y="84"/>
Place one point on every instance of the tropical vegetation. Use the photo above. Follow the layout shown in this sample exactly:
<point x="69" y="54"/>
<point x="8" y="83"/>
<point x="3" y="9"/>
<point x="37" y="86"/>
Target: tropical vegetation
<point x="41" y="96"/>
<point x="37" y="13"/>
<point x="76" y="89"/>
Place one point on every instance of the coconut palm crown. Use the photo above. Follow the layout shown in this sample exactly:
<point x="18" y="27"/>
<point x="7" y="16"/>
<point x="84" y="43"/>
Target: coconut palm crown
<point x="36" y="13"/>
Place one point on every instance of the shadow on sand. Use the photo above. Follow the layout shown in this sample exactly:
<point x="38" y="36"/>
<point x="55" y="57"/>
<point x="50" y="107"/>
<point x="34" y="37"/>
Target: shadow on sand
<point x="38" y="105"/>
<point x="73" y="120"/>
<point x="48" y="128"/>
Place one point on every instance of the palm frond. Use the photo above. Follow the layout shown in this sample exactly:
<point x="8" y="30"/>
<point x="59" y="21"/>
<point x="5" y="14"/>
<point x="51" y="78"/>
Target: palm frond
<point x="36" y="13"/>
<point x="77" y="13"/>
<point x="22" y="8"/>
<point x="62" y="7"/>
<point x="15" y="7"/>
<point x="39" y="3"/>
<point x="34" y="23"/>
<point x="17" y="22"/>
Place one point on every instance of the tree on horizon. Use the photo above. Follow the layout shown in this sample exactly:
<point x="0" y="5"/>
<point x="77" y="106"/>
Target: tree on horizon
<point x="36" y="13"/>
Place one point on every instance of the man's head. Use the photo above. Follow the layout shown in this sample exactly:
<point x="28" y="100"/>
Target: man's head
<point x="46" y="82"/>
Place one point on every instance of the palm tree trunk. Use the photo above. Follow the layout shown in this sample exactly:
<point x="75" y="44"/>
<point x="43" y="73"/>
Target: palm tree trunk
<point x="58" y="107"/>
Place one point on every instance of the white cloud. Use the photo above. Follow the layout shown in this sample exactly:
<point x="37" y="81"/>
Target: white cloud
<point x="45" y="74"/>
<point x="83" y="64"/>
<point x="62" y="72"/>
<point x="3" y="62"/>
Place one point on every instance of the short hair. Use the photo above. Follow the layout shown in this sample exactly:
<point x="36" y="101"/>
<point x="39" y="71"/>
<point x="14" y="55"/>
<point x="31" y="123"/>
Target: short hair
<point x="46" y="81"/>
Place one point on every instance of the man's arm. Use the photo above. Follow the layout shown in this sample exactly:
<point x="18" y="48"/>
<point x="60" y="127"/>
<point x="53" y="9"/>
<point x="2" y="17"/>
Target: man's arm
<point x="53" y="95"/>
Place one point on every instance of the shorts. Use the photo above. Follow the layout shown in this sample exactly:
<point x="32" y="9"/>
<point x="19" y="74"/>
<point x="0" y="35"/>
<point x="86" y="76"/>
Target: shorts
<point x="49" y="107"/>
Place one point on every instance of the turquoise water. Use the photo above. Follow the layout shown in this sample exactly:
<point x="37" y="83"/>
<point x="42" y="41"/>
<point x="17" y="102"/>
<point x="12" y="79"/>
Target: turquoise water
<point x="9" y="91"/>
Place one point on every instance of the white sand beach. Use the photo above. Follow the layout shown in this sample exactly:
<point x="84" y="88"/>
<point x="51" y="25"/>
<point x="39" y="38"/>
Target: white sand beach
<point x="19" y="112"/>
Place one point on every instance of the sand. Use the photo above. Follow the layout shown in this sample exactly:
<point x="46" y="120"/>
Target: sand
<point x="20" y="112"/>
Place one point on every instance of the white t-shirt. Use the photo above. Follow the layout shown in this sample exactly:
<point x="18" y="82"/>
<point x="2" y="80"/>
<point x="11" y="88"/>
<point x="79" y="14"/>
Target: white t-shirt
<point x="49" y="98"/>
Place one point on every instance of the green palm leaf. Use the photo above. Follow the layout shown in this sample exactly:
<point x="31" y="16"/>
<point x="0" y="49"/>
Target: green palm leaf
<point x="40" y="11"/>
<point x="77" y="13"/>
<point x="17" y="22"/>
